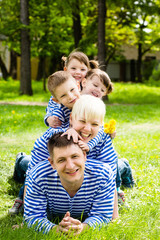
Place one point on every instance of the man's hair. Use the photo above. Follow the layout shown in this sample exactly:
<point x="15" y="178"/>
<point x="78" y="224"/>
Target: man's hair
<point x="103" y="76"/>
<point x="89" y="107"/>
<point x="58" y="141"/>
<point x="56" y="79"/>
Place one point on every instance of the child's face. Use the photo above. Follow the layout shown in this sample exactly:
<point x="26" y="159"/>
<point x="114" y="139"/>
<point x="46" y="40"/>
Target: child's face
<point x="67" y="93"/>
<point x="93" y="86"/>
<point x="77" y="69"/>
<point x="87" y="129"/>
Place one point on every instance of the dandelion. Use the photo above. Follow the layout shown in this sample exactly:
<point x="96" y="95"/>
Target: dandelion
<point x="135" y="147"/>
<point x="15" y="121"/>
<point x="13" y="112"/>
<point x="110" y="127"/>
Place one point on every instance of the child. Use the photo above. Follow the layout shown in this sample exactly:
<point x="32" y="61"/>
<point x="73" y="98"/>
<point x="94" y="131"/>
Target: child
<point x="77" y="64"/>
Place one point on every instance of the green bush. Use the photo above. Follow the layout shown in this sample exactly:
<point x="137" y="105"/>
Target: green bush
<point x="155" y="77"/>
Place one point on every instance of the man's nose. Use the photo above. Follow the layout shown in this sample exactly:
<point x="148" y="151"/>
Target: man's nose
<point x="69" y="163"/>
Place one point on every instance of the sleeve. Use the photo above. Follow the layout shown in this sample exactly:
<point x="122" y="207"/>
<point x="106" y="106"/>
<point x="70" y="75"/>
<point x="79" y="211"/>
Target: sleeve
<point x="40" y="150"/>
<point x="103" y="202"/>
<point x="107" y="154"/>
<point x="92" y="143"/>
<point x="35" y="207"/>
<point x="52" y="106"/>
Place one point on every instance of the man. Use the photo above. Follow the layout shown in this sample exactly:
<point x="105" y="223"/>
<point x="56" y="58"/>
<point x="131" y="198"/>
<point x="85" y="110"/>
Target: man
<point x="78" y="192"/>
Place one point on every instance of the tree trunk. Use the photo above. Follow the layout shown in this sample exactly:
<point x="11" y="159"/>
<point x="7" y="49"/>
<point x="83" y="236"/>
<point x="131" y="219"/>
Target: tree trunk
<point x="101" y="33"/>
<point x="5" y="73"/>
<point x="101" y="36"/>
<point x="40" y="73"/>
<point x="139" y="63"/>
<point x="13" y="65"/>
<point x="77" y="30"/>
<point x="25" y="76"/>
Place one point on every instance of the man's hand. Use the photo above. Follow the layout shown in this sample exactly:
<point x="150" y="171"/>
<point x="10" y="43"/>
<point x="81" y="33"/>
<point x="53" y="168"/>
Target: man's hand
<point x="54" y="121"/>
<point x="83" y="146"/>
<point x="72" y="133"/>
<point x="71" y="225"/>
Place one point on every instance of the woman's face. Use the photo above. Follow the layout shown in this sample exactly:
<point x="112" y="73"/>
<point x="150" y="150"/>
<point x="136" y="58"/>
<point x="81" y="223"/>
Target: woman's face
<point x="87" y="129"/>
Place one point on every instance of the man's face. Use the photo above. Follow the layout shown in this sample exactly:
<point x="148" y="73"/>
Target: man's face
<point x="67" y="93"/>
<point x="77" y="69"/>
<point x="94" y="87"/>
<point x="87" y="129"/>
<point x="70" y="164"/>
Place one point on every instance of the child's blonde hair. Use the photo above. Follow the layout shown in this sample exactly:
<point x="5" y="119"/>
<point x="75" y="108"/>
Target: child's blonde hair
<point x="56" y="79"/>
<point x="82" y="58"/>
<point x="89" y="107"/>
<point x="103" y="76"/>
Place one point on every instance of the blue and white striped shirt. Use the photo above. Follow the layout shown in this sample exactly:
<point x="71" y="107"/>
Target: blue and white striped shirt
<point x="103" y="151"/>
<point x="46" y="196"/>
<point x="58" y="110"/>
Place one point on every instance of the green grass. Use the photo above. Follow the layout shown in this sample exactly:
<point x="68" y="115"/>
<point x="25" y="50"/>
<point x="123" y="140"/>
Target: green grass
<point x="138" y="134"/>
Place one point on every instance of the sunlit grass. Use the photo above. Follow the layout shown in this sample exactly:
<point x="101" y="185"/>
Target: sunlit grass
<point x="138" y="134"/>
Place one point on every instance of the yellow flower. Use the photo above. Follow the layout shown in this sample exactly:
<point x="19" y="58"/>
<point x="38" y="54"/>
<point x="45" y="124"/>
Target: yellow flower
<point x="13" y="112"/>
<point x="110" y="127"/>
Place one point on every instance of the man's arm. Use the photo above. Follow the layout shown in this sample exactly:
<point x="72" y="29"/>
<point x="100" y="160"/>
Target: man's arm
<point x="103" y="202"/>
<point x="35" y="206"/>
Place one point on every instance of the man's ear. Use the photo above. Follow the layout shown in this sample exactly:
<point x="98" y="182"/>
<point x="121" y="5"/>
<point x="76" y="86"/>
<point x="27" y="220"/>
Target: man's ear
<point x="83" y="83"/>
<point x="51" y="162"/>
<point x="55" y="100"/>
<point x="85" y="155"/>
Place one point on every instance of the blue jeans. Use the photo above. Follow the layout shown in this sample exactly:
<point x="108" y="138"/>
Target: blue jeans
<point x="125" y="173"/>
<point x="21" y="166"/>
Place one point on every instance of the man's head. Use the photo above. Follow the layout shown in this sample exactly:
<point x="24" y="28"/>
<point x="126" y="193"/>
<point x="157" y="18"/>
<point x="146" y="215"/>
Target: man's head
<point x="87" y="116"/>
<point x="64" y="88"/>
<point x="68" y="159"/>
<point x="97" y="83"/>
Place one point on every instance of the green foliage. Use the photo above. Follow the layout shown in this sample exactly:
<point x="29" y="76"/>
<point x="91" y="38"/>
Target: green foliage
<point x="155" y="77"/>
<point x="138" y="133"/>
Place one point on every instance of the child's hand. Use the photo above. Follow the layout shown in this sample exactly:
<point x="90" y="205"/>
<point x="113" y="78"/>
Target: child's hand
<point x="83" y="146"/>
<point x="72" y="133"/>
<point x="113" y="135"/>
<point x="54" y="121"/>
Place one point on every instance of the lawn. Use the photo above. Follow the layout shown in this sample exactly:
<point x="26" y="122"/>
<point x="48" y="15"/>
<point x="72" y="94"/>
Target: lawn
<point x="136" y="110"/>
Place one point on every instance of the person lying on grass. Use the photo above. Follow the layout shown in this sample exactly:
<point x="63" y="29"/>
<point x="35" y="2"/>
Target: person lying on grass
<point x="79" y="192"/>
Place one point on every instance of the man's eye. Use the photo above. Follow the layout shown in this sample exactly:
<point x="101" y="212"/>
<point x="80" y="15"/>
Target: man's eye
<point x="83" y="70"/>
<point x="60" y="160"/>
<point x="75" y="156"/>
<point x="72" y="89"/>
<point x="63" y="95"/>
<point x="95" y="85"/>
<point x="73" y="68"/>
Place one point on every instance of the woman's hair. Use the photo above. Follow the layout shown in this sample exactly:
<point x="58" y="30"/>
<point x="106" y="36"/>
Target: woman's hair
<point x="89" y="107"/>
<point x="103" y="76"/>
<point x="56" y="79"/>
<point x="82" y="58"/>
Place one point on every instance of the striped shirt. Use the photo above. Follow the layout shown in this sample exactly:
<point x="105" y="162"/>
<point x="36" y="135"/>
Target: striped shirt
<point x="45" y="196"/>
<point x="103" y="151"/>
<point x="58" y="110"/>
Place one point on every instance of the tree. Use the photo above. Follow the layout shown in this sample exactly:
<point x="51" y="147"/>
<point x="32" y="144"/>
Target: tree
<point x="25" y="86"/>
<point x="101" y="34"/>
